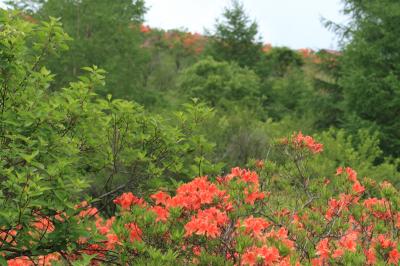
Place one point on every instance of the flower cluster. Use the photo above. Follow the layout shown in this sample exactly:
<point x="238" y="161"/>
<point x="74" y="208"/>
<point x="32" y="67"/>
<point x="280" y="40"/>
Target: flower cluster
<point x="126" y="200"/>
<point x="263" y="255"/>
<point x="191" y="43"/>
<point x="207" y="222"/>
<point x="352" y="176"/>
<point x="300" y="141"/>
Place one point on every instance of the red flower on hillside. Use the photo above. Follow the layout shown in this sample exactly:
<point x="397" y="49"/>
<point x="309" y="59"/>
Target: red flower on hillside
<point x="135" y="233"/>
<point x="268" y="255"/>
<point x="126" y="200"/>
<point x="206" y="222"/>
<point x="300" y="141"/>
<point x="358" y="188"/>
<point x="161" y="198"/>
<point x="144" y="29"/>
<point x="323" y="248"/>
<point x="254" y="226"/>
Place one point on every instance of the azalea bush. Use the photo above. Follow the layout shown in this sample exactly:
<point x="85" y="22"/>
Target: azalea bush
<point x="272" y="215"/>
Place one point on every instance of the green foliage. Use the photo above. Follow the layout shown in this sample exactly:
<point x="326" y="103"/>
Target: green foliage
<point x="56" y="143"/>
<point x="193" y="123"/>
<point x="220" y="83"/>
<point x="370" y="71"/>
<point x="240" y="137"/>
<point x="278" y="61"/>
<point x="361" y="151"/>
<point x="104" y="33"/>
<point x="326" y="100"/>
<point x="39" y="173"/>
<point x="169" y="52"/>
<point x="288" y="94"/>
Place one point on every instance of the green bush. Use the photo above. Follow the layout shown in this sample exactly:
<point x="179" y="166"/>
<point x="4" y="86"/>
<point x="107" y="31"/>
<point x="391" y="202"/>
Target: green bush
<point x="220" y="84"/>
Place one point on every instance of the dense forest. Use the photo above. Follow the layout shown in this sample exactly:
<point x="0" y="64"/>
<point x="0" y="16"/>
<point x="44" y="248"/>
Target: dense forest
<point x="124" y="144"/>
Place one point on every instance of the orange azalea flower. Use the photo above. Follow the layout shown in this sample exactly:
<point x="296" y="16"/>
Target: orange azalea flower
<point x="206" y="222"/>
<point x="300" y="141"/>
<point x="162" y="213"/>
<point x="323" y="248"/>
<point x="317" y="262"/>
<point x="44" y="224"/>
<point x="249" y="258"/>
<point x="161" y="197"/>
<point x="260" y="164"/>
<point x="126" y="200"/>
<point x="135" y="233"/>
<point x="104" y="228"/>
<point x="144" y="29"/>
<point x="249" y="177"/>
<point x="371" y="256"/>
<point x="195" y="194"/>
<point x="254" y="226"/>
<point x="385" y="242"/>
<point x="252" y="197"/>
<point x="348" y="241"/>
<point x="358" y="188"/>
<point x="351" y="174"/>
<point x="7" y="236"/>
<point x="196" y="250"/>
<point x="269" y="256"/>
<point x="339" y="170"/>
<point x="89" y="213"/>
<point x="21" y="261"/>
<point x="112" y="241"/>
<point x="48" y="259"/>
<point x="338" y="253"/>
<point x="394" y="256"/>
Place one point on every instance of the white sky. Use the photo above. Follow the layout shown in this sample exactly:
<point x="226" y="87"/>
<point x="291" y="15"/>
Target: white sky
<point x="293" y="23"/>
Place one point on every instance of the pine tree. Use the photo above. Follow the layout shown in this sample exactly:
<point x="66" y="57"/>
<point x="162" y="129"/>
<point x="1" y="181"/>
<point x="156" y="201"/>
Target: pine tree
<point x="235" y="38"/>
<point x="370" y="73"/>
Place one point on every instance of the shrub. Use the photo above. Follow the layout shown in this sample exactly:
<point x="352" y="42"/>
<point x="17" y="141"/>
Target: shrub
<point x="221" y="83"/>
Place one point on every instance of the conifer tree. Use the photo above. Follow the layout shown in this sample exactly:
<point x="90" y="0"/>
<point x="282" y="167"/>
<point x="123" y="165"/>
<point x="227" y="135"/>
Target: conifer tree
<point x="371" y="68"/>
<point x="235" y="37"/>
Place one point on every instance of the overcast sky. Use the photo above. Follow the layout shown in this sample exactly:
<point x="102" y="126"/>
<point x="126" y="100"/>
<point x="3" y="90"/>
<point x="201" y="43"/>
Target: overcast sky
<point x="293" y="23"/>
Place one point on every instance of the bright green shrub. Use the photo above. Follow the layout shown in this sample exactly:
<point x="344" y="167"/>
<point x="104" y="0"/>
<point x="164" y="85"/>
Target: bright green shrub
<point x="39" y="174"/>
<point x="56" y="145"/>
